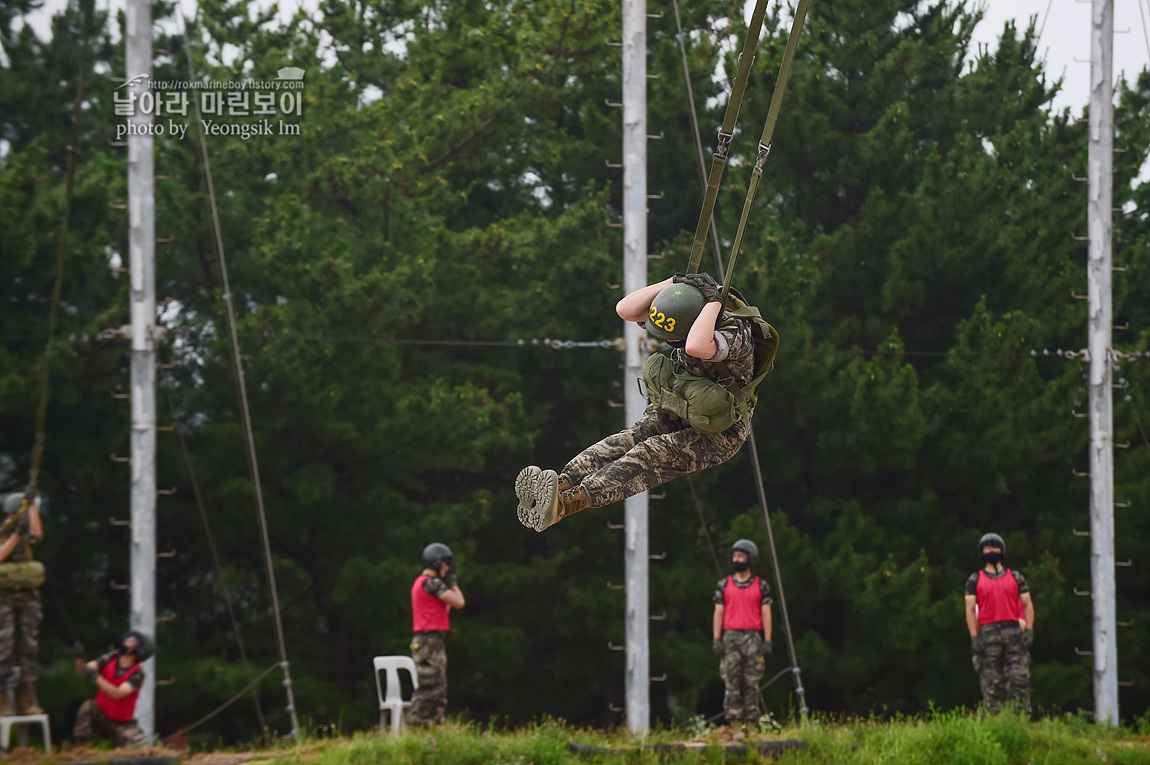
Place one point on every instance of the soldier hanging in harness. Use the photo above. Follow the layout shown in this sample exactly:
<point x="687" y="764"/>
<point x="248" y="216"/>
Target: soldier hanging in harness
<point x="701" y="401"/>
<point x="20" y="609"/>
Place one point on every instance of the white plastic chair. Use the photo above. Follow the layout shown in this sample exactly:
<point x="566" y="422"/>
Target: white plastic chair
<point x="393" y="702"/>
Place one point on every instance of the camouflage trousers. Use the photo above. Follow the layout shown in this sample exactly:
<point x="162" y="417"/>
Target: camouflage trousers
<point x="656" y="449"/>
<point x="429" y="701"/>
<point x="1004" y="667"/>
<point x="741" y="668"/>
<point x="91" y="722"/>
<point x="20" y="615"/>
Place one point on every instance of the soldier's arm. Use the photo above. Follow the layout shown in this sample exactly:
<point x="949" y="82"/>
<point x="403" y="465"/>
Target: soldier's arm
<point x="701" y="338"/>
<point x="717" y="622"/>
<point x="971" y="615"/>
<point x="634" y="307"/>
<point x="8" y="546"/>
<point x="767" y="626"/>
<point x="115" y="691"/>
<point x="1027" y="611"/>
<point x="453" y="597"/>
<point x="35" y="523"/>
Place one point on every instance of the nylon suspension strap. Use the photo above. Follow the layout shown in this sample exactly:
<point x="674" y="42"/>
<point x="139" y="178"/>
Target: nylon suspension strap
<point x="765" y="141"/>
<point x="726" y="133"/>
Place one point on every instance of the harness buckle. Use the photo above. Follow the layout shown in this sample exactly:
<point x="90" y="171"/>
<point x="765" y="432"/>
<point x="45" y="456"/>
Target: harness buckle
<point x="761" y="159"/>
<point x="724" y="147"/>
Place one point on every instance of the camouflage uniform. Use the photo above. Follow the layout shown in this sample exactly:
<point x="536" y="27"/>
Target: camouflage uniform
<point x="91" y="722"/>
<point x="20" y="616"/>
<point x="741" y="666"/>
<point x="429" y="701"/>
<point x="1004" y="665"/>
<point x="660" y="447"/>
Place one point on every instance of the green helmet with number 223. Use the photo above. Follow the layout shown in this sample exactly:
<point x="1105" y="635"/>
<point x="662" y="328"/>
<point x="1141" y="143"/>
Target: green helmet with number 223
<point x="673" y="311"/>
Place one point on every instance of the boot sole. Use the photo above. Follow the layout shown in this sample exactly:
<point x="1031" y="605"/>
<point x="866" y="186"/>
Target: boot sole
<point x="538" y="493"/>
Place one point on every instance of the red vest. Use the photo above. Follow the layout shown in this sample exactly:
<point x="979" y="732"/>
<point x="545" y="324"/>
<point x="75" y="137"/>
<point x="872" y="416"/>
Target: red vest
<point x="742" y="606"/>
<point x="427" y="611"/>
<point x="123" y="709"/>
<point x="998" y="599"/>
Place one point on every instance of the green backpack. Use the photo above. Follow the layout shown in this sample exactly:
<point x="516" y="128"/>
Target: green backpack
<point x="765" y="338"/>
<point x="25" y="575"/>
<point x="705" y="405"/>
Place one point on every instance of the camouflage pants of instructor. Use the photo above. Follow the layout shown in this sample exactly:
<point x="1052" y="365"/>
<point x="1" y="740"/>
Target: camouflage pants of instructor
<point x="741" y="668"/>
<point x="656" y="449"/>
<point x="91" y="722"/>
<point x="1004" y="667"/>
<point x="20" y="616"/>
<point x="429" y="702"/>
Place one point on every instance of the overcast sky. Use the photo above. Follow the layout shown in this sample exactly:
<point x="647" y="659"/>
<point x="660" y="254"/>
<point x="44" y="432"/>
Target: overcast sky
<point x="1065" y="41"/>
<point x="1064" y="44"/>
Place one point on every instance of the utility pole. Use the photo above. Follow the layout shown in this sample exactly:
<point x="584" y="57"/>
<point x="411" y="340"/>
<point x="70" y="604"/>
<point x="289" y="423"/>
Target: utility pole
<point x="142" y="273"/>
<point x="635" y="557"/>
<point x="1098" y="280"/>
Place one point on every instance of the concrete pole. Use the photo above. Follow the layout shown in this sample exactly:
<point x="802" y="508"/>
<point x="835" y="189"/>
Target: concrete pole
<point x="1098" y="281"/>
<point x="635" y="557"/>
<point x="142" y="252"/>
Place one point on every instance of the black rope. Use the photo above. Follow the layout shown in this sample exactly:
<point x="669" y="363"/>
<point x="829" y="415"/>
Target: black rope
<point x="249" y="434"/>
<point x="1130" y="400"/>
<point x="706" y="529"/>
<point x="699" y="151"/>
<point x="61" y="250"/>
<point x="554" y="344"/>
<point x="800" y="692"/>
<point x="229" y="702"/>
<point x="215" y="557"/>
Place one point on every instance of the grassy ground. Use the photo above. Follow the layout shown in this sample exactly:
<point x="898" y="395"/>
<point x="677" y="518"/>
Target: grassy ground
<point x="940" y="739"/>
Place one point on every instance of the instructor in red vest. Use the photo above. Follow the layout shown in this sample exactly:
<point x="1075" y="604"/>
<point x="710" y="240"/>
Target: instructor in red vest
<point x="741" y="628"/>
<point x="118" y="676"/>
<point x="433" y="595"/>
<point x="1000" y="619"/>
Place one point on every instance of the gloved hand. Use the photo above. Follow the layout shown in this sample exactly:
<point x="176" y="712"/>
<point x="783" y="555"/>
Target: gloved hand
<point x="765" y="648"/>
<point x="451" y="580"/>
<point x="90" y="672"/>
<point x="976" y="645"/>
<point x="1028" y="637"/>
<point x="717" y="647"/>
<point x="704" y="283"/>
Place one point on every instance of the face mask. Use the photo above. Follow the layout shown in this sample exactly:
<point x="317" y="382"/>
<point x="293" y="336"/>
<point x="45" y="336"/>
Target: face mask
<point x="992" y="557"/>
<point x="740" y="565"/>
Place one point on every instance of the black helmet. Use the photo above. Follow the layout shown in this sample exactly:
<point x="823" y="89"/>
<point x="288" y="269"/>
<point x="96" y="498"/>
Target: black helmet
<point x="747" y="546"/>
<point x="991" y="538"/>
<point x="437" y="553"/>
<point x="673" y="311"/>
<point x="142" y="646"/>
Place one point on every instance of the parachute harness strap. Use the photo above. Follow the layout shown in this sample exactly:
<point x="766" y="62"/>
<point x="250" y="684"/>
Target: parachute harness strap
<point x="726" y="133"/>
<point x="765" y="141"/>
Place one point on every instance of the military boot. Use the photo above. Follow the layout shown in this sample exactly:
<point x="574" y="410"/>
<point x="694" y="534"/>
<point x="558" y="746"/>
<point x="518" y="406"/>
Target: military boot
<point x="565" y="504"/>
<point x="536" y="490"/>
<point x="26" y="701"/>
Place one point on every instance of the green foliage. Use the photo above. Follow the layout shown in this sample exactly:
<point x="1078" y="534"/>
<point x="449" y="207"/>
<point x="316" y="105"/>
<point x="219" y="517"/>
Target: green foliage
<point x="953" y="738"/>
<point x="912" y="244"/>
